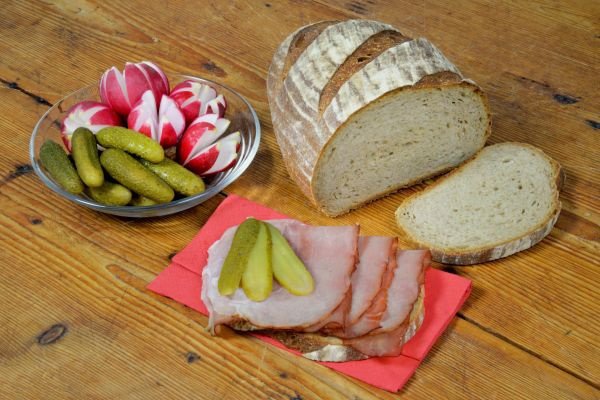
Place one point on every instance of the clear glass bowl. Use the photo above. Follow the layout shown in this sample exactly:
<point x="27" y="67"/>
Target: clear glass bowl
<point x="241" y="114"/>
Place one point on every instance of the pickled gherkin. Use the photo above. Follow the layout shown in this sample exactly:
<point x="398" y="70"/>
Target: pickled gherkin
<point x="237" y="259"/>
<point x="84" y="150"/>
<point x="130" y="173"/>
<point x="141" y="201"/>
<point x="111" y="194"/>
<point x="132" y="142"/>
<point x="257" y="279"/>
<point x="288" y="269"/>
<point x="55" y="159"/>
<point x="181" y="179"/>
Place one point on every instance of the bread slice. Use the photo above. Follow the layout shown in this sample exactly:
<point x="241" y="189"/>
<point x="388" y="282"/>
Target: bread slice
<point x="502" y="201"/>
<point x="360" y="110"/>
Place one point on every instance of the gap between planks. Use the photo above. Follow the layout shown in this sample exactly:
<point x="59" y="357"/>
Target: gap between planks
<point x="526" y="350"/>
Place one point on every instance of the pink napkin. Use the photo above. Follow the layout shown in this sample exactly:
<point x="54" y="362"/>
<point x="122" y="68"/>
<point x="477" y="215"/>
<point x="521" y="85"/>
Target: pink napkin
<point x="445" y="294"/>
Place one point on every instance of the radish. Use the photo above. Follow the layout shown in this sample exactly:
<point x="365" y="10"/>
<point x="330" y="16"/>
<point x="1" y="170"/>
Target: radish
<point x="89" y="114"/>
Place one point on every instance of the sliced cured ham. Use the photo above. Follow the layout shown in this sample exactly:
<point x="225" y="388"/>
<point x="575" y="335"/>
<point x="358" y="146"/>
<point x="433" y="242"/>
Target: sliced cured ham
<point x="371" y="318"/>
<point x="367" y="279"/>
<point x="328" y="252"/>
<point x="403" y="314"/>
<point x="366" y="282"/>
<point x="404" y="289"/>
<point x="370" y="280"/>
<point x="335" y="321"/>
<point x="368" y="298"/>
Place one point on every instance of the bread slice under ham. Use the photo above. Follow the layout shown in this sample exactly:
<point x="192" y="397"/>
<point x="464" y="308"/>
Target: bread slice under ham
<point x="368" y="296"/>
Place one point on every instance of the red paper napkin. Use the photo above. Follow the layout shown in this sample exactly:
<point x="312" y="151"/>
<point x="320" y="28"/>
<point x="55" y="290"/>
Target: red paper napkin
<point x="444" y="295"/>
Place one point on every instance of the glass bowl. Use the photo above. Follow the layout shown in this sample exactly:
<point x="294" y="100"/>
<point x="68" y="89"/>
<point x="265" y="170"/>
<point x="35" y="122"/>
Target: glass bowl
<point x="241" y="114"/>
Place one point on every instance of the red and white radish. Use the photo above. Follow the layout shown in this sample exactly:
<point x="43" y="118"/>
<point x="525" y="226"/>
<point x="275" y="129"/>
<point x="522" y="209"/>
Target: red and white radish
<point x="89" y="114"/>
<point x="165" y="125"/>
<point x="195" y="99"/>
<point x="217" y="157"/>
<point x="121" y="91"/>
<point x="218" y="105"/>
<point x="201" y="133"/>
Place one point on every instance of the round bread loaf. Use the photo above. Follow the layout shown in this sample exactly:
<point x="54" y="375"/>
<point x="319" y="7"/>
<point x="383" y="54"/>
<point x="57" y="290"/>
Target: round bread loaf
<point x="360" y="110"/>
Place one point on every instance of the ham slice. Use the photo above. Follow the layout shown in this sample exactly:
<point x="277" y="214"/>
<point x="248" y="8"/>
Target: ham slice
<point x="371" y="318"/>
<point x="335" y="321"/>
<point x="404" y="312"/>
<point x="370" y="279"/>
<point x="374" y="257"/>
<point x="328" y="252"/>
<point x="366" y="282"/>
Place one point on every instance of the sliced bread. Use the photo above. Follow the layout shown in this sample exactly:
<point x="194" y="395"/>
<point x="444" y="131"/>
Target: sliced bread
<point x="503" y="201"/>
<point x="360" y="110"/>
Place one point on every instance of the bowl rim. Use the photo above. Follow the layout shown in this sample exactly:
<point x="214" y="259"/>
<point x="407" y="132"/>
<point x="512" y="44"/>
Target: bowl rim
<point x="232" y="175"/>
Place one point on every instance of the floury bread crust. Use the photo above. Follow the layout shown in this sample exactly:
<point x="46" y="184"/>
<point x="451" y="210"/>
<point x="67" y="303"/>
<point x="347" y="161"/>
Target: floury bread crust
<point x="360" y="110"/>
<point x="503" y="201"/>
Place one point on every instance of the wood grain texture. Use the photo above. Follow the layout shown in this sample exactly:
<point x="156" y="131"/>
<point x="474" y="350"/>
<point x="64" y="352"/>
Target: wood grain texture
<point x="529" y="330"/>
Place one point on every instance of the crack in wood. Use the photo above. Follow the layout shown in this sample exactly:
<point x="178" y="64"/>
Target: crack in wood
<point x="357" y="7"/>
<point x="565" y="99"/>
<point x="528" y="351"/>
<point x="15" y="86"/>
<point x="545" y="89"/>
<point x="593" y="124"/>
<point x="19" y="170"/>
<point x="210" y="66"/>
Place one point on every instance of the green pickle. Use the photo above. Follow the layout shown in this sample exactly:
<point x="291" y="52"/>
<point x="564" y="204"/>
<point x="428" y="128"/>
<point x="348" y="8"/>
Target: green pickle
<point x="55" y="159"/>
<point x="132" y="142"/>
<point x="288" y="269"/>
<point x="257" y="279"/>
<point x="235" y="263"/>
<point x="111" y="194"/>
<point x="130" y="173"/>
<point x="84" y="150"/>
<point x="178" y="177"/>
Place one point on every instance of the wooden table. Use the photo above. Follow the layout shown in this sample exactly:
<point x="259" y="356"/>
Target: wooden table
<point x="76" y="320"/>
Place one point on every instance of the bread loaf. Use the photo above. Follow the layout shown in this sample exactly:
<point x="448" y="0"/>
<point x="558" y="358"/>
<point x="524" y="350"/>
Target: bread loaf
<point x="502" y="201"/>
<point x="360" y="110"/>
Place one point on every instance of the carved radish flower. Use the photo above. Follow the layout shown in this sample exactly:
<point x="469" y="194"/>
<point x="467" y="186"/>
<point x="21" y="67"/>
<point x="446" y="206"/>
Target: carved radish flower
<point x="217" y="157"/>
<point x="121" y="91"/>
<point x="90" y="114"/>
<point x="197" y="99"/>
<point x="165" y="125"/>
<point x="202" y="152"/>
